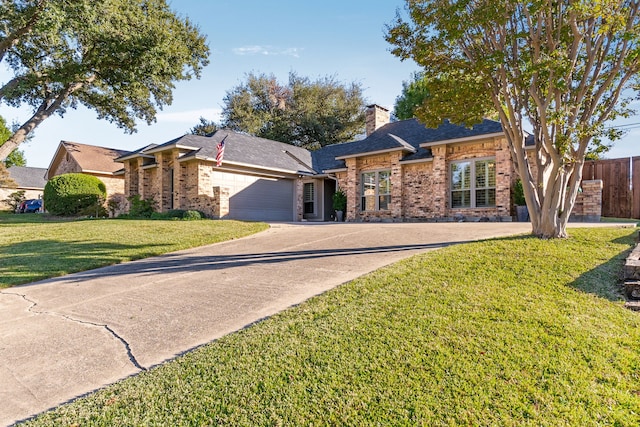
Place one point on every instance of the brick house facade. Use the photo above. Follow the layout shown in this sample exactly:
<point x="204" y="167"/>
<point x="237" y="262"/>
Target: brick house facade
<point x="401" y="171"/>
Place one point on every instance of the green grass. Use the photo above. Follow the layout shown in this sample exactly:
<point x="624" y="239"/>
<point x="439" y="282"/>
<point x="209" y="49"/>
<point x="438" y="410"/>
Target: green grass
<point x="35" y="247"/>
<point x="507" y="332"/>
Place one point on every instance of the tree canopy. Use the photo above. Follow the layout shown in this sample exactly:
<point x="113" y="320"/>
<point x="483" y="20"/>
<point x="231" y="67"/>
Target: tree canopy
<point x="16" y="157"/>
<point x="303" y="112"/>
<point x="565" y="68"/>
<point x="413" y="94"/>
<point x="204" y="127"/>
<point x="117" y="57"/>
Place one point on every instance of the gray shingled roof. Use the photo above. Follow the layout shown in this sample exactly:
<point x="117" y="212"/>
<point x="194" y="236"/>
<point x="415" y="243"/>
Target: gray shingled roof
<point x="411" y="131"/>
<point x="405" y="135"/>
<point x="245" y="149"/>
<point x="28" y="177"/>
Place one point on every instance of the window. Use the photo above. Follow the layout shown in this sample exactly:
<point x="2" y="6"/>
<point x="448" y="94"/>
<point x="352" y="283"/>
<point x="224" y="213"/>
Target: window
<point x="309" y="198"/>
<point x="473" y="184"/>
<point x="376" y="190"/>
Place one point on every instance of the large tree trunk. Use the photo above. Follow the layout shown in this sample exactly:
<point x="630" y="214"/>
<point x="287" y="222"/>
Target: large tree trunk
<point x="550" y="211"/>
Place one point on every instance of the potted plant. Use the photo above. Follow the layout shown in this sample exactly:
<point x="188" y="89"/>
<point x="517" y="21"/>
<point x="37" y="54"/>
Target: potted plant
<point x="339" y="204"/>
<point x="522" y="212"/>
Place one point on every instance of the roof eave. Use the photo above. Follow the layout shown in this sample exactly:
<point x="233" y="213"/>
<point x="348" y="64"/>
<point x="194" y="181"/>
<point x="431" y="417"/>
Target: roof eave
<point x="169" y="147"/>
<point x="371" y="153"/>
<point x="464" y="139"/>
<point x="132" y="156"/>
<point x="425" y="160"/>
<point x="244" y="165"/>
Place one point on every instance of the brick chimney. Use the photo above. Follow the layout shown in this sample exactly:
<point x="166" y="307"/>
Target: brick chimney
<point x="376" y="117"/>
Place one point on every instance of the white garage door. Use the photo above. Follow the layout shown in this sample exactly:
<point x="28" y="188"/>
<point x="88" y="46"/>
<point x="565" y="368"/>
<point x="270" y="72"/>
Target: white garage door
<point x="257" y="199"/>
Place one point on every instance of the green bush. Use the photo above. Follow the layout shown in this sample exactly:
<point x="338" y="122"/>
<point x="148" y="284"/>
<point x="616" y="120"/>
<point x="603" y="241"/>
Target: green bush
<point x="141" y="208"/>
<point x="518" y="194"/>
<point x="178" y="214"/>
<point x="192" y="216"/>
<point x="73" y="194"/>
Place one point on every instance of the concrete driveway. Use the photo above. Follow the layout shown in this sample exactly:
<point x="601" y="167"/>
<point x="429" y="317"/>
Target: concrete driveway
<point x="65" y="337"/>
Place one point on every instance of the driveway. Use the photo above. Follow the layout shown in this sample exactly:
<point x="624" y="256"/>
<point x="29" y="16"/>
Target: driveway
<point x="65" y="337"/>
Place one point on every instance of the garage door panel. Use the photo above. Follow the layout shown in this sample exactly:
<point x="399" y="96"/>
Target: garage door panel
<point x="258" y="199"/>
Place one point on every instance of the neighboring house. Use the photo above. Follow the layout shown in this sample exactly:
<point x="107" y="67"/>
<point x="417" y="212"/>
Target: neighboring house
<point x="71" y="157"/>
<point x="401" y="171"/>
<point x="28" y="179"/>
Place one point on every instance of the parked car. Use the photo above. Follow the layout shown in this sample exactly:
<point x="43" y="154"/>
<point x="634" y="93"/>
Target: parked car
<point x="30" y="206"/>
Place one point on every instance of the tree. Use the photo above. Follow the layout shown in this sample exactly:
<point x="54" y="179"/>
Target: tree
<point x="15" y="199"/>
<point x="117" y="57"/>
<point x="562" y="66"/>
<point x="204" y="128"/>
<point x="16" y="157"/>
<point x="305" y="113"/>
<point x="413" y="94"/>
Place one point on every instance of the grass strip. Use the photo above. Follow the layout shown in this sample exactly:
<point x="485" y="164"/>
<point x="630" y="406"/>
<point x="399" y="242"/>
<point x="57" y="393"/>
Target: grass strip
<point x="33" y="247"/>
<point x="509" y="332"/>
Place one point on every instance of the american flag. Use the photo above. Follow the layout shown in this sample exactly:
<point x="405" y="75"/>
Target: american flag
<point x="220" y="152"/>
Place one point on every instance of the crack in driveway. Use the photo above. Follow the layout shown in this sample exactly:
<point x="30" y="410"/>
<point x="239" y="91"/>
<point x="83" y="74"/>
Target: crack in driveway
<point x="31" y="309"/>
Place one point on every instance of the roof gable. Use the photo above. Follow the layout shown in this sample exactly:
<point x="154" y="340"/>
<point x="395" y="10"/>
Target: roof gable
<point x="89" y="158"/>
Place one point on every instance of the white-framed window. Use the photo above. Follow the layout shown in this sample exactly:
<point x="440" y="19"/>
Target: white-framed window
<point x="376" y="190"/>
<point x="309" y="197"/>
<point x="473" y="183"/>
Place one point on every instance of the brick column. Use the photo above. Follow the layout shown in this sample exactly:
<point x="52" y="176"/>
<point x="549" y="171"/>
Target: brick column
<point x="396" y="187"/>
<point x="221" y="202"/>
<point x="503" y="178"/>
<point x="440" y="188"/>
<point x="299" y="198"/>
<point x="351" y="190"/>
<point x="588" y="206"/>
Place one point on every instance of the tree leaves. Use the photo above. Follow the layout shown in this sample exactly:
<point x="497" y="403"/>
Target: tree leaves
<point x="305" y="113"/>
<point x="117" y="57"/>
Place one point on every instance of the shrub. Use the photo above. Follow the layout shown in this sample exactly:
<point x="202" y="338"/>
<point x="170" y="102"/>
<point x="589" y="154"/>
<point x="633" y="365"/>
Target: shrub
<point x="518" y="194"/>
<point x="115" y="204"/>
<point x="15" y="199"/>
<point x="74" y="193"/>
<point x="141" y="208"/>
<point x="192" y="215"/>
<point x="339" y="200"/>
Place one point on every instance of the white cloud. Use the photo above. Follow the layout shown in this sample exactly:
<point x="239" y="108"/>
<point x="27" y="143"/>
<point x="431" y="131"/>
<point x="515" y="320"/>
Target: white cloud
<point x="191" y="116"/>
<point x="267" y="51"/>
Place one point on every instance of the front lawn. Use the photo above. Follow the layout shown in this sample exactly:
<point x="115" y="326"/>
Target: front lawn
<point x="507" y="332"/>
<point x="35" y="247"/>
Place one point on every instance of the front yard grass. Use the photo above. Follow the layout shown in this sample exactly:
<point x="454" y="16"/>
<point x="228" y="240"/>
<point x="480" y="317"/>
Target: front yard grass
<point x="35" y="247"/>
<point x="507" y="332"/>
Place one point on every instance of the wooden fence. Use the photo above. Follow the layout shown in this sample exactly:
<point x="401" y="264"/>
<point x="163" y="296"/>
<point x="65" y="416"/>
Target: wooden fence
<point x="620" y="186"/>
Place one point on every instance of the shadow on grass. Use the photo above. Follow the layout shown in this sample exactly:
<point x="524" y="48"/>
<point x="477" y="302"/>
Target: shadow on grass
<point x="34" y="260"/>
<point x="181" y="263"/>
<point x="606" y="280"/>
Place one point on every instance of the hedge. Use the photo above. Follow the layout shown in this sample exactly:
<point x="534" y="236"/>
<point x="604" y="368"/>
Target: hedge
<point x="74" y="194"/>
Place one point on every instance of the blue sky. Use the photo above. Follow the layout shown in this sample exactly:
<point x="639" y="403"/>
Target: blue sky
<point x="315" y="39"/>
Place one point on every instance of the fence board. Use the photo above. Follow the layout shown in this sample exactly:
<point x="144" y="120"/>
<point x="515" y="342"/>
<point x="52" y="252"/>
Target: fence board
<point x="617" y="198"/>
<point x="635" y="186"/>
